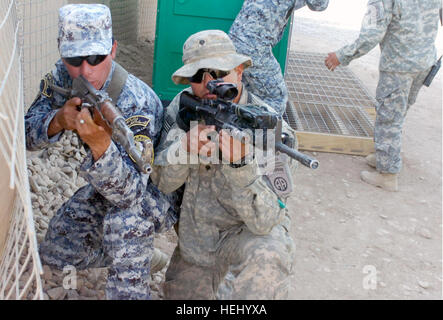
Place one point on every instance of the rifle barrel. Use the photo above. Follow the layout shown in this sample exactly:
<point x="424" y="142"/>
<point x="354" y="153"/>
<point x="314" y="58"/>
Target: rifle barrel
<point x="300" y="157"/>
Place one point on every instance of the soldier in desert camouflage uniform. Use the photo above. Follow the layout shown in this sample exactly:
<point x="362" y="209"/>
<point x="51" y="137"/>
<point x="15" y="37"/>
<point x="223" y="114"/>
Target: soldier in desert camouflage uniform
<point x="111" y="221"/>
<point x="258" y="27"/>
<point x="232" y="220"/>
<point x="406" y="31"/>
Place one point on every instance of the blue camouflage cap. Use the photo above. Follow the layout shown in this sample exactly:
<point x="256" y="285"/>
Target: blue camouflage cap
<point x="84" y="29"/>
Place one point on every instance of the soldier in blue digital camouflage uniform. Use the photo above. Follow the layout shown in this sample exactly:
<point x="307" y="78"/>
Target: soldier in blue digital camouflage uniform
<point x="406" y="31"/>
<point x="258" y="27"/>
<point x="233" y="220"/>
<point x="112" y="220"/>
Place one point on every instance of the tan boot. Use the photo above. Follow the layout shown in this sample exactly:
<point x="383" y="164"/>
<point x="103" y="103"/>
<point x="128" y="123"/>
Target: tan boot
<point x="159" y="261"/>
<point x="370" y="160"/>
<point x="387" y="181"/>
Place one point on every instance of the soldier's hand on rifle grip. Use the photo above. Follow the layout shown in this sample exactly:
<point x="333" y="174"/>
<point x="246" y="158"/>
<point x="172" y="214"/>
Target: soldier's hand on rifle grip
<point x="232" y="149"/>
<point x="97" y="137"/>
<point x="196" y="140"/>
<point x="98" y="119"/>
<point x="65" y="118"/>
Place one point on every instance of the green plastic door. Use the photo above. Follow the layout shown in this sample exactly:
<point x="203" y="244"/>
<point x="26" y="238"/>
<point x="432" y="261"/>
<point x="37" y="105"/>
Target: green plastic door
<point x="177" y="20"/>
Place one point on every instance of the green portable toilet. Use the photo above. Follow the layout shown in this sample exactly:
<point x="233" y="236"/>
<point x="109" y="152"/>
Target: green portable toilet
<point x="177" y="20"/>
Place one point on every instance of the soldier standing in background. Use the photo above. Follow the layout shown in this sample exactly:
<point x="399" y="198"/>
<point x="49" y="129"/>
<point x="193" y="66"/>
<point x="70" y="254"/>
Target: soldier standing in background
<point x="406" y="31"/>
<point x="258" y="27"/>
<point x="111" y="221"/>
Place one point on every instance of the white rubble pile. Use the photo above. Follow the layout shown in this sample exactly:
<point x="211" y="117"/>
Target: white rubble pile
<point x="53" y="178"/>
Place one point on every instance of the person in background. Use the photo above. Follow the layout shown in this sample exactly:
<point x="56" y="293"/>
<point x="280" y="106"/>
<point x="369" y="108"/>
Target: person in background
<point x="257" y="28"/>
<point x="406" y="31"/>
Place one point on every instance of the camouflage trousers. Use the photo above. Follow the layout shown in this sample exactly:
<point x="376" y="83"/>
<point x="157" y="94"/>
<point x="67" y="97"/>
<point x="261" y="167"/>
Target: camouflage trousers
<point x="396" y="92"/>
<point x="89" y="232"/>
<point x="247" y="266"/>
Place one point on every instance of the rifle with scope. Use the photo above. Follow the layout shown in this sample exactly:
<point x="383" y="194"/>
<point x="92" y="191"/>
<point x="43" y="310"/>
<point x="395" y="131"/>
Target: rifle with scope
<point x="240" y="120"/>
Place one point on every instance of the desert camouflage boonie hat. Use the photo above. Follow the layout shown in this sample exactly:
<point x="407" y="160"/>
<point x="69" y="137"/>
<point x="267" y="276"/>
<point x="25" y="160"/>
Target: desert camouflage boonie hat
<point x="208" y="49"/>
<point x="84" y="29"/>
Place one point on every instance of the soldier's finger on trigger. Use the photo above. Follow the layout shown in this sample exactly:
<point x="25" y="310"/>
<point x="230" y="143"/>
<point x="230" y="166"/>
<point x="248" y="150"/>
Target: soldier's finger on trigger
<point x="74" y="102"/>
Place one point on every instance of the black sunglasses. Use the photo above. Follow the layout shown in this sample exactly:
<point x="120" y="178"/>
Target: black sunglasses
<point x="215" y="74"/>
<point x="92" y="60"/>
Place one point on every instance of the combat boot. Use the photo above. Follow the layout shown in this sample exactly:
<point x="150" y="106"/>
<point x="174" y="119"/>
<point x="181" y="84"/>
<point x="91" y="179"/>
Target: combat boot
<point x="159" y="261"/>
<point x="387" y="181"/>
<point x="370" y="160"/>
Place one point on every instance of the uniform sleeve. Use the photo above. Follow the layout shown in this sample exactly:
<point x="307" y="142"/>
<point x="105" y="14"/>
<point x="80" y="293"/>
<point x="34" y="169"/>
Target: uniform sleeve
<point x="252" y="198"/>
<point x="171" y="165"/>
<point x="373" y="29"/>
<point x="115" y="175"/>
<point x="40" y="115"/>
<point x="160" y="207"/>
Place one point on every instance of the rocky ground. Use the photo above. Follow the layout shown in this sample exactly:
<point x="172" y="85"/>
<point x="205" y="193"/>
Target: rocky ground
<point x="353" y="241"/>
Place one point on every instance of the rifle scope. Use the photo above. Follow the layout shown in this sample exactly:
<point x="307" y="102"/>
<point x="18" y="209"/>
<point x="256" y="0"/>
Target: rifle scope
<point x="223" y="90"/>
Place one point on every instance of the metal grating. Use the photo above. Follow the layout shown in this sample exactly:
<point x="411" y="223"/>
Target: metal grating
<point x="323" y="101"/>
<point x="20" y="266"/>
<point x="324" y="118"/>
<point x="309" y="80"/>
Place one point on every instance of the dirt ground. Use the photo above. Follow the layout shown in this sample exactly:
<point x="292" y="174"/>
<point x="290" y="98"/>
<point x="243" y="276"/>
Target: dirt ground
<point x="355" y="241"/>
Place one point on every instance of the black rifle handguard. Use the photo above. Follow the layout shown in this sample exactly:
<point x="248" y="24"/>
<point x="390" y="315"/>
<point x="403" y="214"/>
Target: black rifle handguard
<point x="241" y="120"/>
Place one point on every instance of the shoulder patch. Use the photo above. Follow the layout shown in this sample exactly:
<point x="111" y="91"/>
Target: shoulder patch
<point x="137" y="122"/>
<point x="44" y="85"/>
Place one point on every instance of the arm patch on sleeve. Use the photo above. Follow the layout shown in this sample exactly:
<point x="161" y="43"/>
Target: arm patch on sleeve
<point x="138" y="125"/>
<point x="44" y="85"/>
